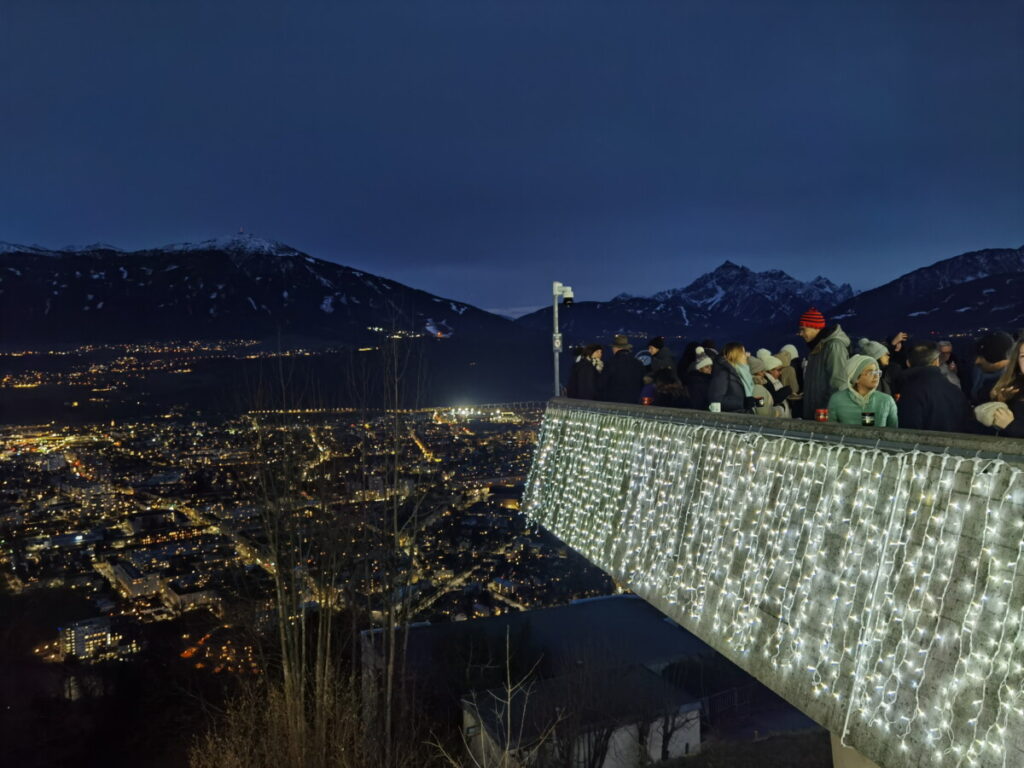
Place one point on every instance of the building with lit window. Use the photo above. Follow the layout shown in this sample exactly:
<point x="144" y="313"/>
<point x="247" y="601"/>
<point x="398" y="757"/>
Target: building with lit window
<point x="86" y="638"/>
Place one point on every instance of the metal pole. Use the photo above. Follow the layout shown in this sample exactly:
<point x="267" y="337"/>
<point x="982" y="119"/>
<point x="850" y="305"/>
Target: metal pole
<point x="556" y="338"/>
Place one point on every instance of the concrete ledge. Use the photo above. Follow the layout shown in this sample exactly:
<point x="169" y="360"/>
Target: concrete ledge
<point x="876" y="584"/>
<point x="986" y="446"/>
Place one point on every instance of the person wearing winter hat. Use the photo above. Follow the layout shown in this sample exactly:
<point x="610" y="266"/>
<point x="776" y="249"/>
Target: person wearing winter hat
<point x="993" y="358"/>
<point x="703" y="362"/>
<point x="685" y="364"/>
<point x="790" y="376"/>
<point x="585" y="377"/>
<point x="826" y="361"/>
<point x="761" y="392"/>
<point x="698" y="379"/>
<point x="773" y="383"/>
<point x="860" y="396"/>
<point x="1009" y="389"/>
<point x="875" y="349"/>
<point x="772" y="363"/>
<point x="927" y="398"/>
<point x="623" y="374"/>
<point x="880" y="352"/>
<point x="661" y="356"/>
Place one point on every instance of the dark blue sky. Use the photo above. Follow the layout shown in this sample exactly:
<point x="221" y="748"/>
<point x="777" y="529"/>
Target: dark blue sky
<point x="479" y="150"/>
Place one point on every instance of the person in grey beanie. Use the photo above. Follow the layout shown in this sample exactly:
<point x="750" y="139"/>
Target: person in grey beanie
<point x="890" y="372"/>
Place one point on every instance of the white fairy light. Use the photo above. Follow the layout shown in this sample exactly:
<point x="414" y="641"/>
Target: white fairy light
<point x="885" y="584"/>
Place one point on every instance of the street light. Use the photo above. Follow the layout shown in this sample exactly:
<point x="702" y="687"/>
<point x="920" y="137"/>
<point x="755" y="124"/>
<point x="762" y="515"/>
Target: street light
<point x="563" y="292"/>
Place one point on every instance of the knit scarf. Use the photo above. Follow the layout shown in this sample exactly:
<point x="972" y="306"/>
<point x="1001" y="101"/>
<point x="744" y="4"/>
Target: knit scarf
<point x="858" y="398"/>
<point x="743" y="371"/>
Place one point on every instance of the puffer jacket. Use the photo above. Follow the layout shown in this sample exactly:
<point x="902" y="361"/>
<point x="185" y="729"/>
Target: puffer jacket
<point x="844" y="409"/>
<point x="727" y="388"/>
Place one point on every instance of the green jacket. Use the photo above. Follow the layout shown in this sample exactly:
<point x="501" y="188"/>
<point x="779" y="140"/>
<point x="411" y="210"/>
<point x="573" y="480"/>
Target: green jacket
<point x="842" y="408"/>
<point x="826" y="369"/>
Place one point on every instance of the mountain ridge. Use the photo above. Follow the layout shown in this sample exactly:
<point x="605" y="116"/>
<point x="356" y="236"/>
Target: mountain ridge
<point x="246" y="285"/>
<point x="238" y="285"/>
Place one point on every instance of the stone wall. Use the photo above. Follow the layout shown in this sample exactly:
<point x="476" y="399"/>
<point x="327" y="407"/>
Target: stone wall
<point x="874" y="578"/>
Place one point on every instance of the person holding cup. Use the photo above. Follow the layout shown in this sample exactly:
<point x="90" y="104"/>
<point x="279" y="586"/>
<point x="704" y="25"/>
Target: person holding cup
<point x="859" y="402"/>
<point x="732" y="385"/>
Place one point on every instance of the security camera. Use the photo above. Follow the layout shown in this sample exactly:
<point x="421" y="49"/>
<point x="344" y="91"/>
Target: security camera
<point x="563" y="292"/>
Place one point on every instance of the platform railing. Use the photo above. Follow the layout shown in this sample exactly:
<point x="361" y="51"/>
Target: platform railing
<point x="872" y="577"/>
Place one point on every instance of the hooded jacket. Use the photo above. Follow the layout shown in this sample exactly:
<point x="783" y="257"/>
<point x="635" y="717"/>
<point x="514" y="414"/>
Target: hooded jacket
<point x="846" y="406"/>
<point x="826" y="369"/>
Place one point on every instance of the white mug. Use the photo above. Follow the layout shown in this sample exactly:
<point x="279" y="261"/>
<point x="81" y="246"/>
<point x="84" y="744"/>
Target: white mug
<point x="715" y="407"/>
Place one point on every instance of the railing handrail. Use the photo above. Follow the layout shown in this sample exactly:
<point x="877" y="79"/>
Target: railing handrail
<point x="897" y="440"/>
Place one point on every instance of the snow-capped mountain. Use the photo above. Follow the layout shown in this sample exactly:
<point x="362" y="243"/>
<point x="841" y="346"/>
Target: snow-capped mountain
<point x="729" y="300"/>
<point x="979" y="289"/>
<point x="237" y="286"/>
<point x="740" y="291"/>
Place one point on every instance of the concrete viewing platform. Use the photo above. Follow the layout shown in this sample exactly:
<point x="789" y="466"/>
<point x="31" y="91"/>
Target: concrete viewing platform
<point x="872" y="577"/>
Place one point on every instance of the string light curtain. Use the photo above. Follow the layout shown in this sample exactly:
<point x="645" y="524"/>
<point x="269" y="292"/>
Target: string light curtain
<point x="881" y="591"/>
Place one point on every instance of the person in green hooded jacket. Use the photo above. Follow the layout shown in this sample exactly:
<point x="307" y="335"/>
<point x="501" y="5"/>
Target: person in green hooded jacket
<point x="861" y="396"/>
<point x="826" y="360"/>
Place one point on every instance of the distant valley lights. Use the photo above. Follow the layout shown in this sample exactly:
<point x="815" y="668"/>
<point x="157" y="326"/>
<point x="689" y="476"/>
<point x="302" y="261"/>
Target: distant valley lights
<point x="880" y="591"/>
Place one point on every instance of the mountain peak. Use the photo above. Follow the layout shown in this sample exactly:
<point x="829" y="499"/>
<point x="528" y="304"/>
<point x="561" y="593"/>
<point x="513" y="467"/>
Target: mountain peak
<point x="240" y="243"/>
<point x="15" y="248"/>
<point x="729" y="266"/>
<point x="90" y="247"/>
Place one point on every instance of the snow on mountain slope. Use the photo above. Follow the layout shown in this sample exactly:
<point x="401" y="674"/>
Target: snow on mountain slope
<point x="239" y="285"/>
<point x="724" y="301"/>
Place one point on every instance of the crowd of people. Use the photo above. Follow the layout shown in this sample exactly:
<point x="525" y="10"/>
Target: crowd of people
<point x="896" y="382"/>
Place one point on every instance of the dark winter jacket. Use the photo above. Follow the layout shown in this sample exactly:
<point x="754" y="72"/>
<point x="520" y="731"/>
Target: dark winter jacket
<point x="697" y="385"/>
<point x="1016" y="428"/>
<point x="890" y="381"/>
<point x="726" y="387"/>
<point x="584" y="380"/>
<point x="623" y="378"/>
<point x="929" y="401"/>
<point x="661" y="360"/>
<point x="982" y="383"/>
<point x="671" y="399"/>
<point x="826" y="369"/>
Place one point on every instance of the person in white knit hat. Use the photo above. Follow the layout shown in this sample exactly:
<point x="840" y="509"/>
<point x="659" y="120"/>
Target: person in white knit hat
<point x="790" y="377"/>
<point x="761" y="393"/>
<point x="773" y="383"/>
<point x="698" y="379"/>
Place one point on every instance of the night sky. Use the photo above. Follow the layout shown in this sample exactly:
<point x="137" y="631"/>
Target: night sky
<point x="479" y="150"/>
